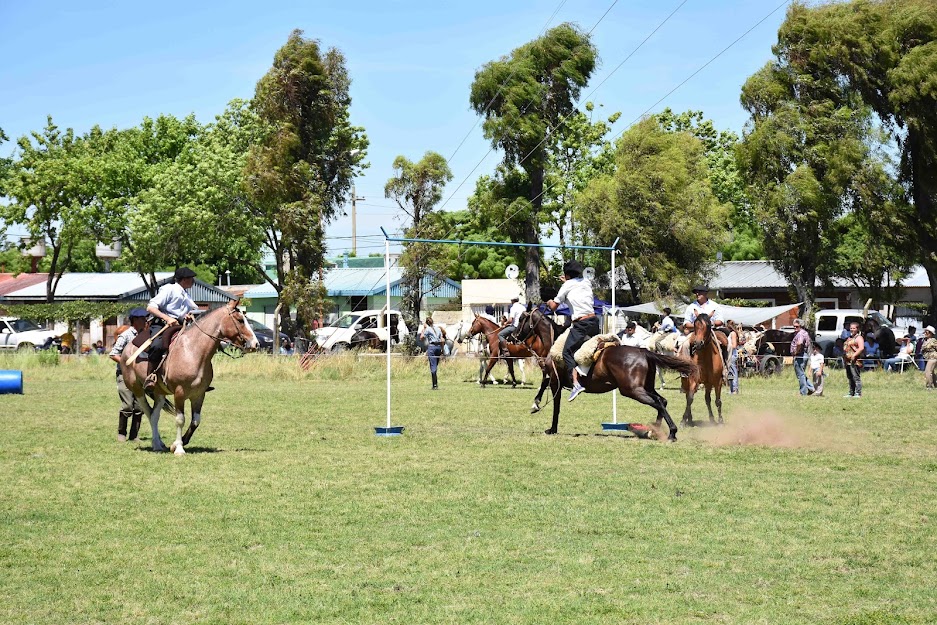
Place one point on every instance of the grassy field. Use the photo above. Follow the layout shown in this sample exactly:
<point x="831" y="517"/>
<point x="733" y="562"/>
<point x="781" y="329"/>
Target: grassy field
<point x="288" y="509"/>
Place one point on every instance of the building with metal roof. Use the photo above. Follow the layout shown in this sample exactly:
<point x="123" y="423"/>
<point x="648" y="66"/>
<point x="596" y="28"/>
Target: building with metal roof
<point x="108" y="287"/>
<point x="358" y="288"/>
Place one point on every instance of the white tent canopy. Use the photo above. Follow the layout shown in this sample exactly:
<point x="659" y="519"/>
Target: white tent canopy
<point x="747" y="316"/>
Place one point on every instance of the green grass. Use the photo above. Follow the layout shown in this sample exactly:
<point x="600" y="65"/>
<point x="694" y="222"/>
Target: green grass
<point x="288" y="509"/>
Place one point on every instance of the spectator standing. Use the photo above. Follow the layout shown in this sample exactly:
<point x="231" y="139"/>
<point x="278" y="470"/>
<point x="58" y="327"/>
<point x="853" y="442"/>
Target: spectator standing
<point x="733" y="357"/>
<point x="929" y="353"/>
<point x="853" y="350"/>
<point x="817" y="366"/>
<point x="800" y="350"/>
<point x="129" y="407"/>
<point x="435" y="338"/>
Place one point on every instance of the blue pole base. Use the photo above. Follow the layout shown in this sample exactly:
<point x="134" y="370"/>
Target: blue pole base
<point x="616" y="426"/>
<point x="394" y="430"/>
<point x="11" y="382"/>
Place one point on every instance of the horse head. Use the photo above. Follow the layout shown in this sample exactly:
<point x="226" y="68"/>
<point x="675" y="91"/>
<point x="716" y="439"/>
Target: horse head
<point x="235" y="329"/>
<point x="702" y="333"/>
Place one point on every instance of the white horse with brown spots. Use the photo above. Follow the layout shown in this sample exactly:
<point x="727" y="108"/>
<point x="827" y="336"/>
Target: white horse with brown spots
<point x="187" y="372"/>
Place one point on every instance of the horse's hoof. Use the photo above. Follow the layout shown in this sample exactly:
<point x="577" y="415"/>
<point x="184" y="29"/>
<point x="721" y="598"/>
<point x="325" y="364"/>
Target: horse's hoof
<point x="549" y="431"/>
<point x="179" y="451"/>
<point x="121" y="438"/>
<point x="535" y="409"/>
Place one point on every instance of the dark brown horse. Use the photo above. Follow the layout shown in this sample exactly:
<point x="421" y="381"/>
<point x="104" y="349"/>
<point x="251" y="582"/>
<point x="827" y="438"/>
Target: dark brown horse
<point x="630" y="370"/>
<point x="489" y="330"/>
<point x="706" y="354"/>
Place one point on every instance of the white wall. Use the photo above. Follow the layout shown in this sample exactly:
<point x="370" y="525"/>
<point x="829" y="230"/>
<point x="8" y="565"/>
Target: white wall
<point x="477" y="293"/>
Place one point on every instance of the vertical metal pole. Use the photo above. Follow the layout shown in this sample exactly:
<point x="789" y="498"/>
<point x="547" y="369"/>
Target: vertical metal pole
<point x="354" y="240"/>
<point x="387" y="323"/>
<point x="614" y="329"/>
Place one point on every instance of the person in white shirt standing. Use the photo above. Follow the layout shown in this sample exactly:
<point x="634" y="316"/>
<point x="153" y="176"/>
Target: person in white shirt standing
<point x="514" y="316"/>
<point x="171" y="305"/>
<point x="576" y="292"/>
<point x="129" y="408"/>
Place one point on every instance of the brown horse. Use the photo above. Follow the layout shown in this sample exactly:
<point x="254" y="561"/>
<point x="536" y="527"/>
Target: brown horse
<point x="187" y="370"/>
<point x="489" y="329"/>
<point x="706" y="353"/>
<point x="630" y="370"/>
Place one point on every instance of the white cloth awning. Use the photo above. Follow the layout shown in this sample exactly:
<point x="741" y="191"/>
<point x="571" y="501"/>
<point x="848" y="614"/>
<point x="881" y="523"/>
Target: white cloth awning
<point x="747" y="316"/>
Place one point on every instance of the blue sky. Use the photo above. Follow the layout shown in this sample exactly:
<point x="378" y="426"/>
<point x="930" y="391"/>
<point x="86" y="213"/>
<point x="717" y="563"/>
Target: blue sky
<point x="411" y="65"/>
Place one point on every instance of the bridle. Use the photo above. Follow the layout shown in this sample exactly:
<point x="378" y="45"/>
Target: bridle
<point x="240" y="341"/>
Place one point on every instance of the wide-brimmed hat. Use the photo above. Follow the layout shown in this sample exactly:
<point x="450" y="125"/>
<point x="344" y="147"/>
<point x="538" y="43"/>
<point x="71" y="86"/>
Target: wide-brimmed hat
<point x="137" y="312"/>
<point x="930" y="329"/>
<point x="572" y="268"/>
<point x="702" y="288"/>
<point x="183" y="273"/>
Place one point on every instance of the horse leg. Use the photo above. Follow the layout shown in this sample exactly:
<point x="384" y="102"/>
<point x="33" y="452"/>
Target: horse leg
<point x="153" y="415"/>
<point x="688" y="413"/>
<point x="556" y="388"/>
<point x="660" y="372"/>
<point x="652" y="399"/>
<point x="709" y="407"/>
<point x="179" y="401"/>
<point x="195" y="420"/>
<point x="523" y="371"/>
<point x="510" y="362"/>
<point x="543" y="387"/>
<point x="491" y="364"/>
<point x="719" y="402"/>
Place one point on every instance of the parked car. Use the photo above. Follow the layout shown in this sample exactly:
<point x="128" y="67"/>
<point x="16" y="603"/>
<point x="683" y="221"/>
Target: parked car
<point x="22" y="334"/>
<point x="338" y="336"/>
<point x="265" y="335"/>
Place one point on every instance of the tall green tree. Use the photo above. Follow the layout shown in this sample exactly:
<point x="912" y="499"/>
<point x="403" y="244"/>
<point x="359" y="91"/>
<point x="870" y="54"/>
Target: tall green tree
<point x="300" y="172"/>
<point x="884" y="51"/>
<point x="417" y="189"/>
<point x="580" y="153"/>
<point x="523" y="98"/>
<point x="804" y="148"/>
<point x="50" y="185"/>
<point x="745" y="241"/>
<point x="659" y="202"/>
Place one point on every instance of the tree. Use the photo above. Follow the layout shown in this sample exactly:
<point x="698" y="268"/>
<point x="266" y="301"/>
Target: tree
<point x="417" y="189"/>
<point x="884" y="51"/>
<point x="580" y="153"/>
<point x="523" y="99"/>
<point x="803" y="152"/>
<point x="195" y="210"/>
<point x="300" y="172"/>
<point x="50" y="185"/>
<point x="660" y="203"/>
<point x="727" y="182"/>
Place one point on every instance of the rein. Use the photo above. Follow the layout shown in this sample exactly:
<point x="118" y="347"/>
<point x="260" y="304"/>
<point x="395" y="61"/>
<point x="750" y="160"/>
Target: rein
<point x="222" y="339"/>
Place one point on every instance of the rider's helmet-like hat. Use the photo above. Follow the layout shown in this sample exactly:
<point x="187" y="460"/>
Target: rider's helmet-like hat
<point x="183" y="273"/>
<point x="489" y="309"/>
<point x="137" y="312"/>
<point x="572" y="268"/>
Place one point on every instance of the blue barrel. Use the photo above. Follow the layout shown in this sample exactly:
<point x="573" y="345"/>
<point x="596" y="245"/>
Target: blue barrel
<point x="11" y="382"/>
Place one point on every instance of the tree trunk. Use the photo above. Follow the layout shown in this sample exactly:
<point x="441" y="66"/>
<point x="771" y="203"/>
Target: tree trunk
<point x="924" y="189"/>
<point x="532" y="235"/>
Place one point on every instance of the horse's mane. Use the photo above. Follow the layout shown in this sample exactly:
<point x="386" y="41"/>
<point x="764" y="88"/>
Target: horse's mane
<point x="558" y="329"/>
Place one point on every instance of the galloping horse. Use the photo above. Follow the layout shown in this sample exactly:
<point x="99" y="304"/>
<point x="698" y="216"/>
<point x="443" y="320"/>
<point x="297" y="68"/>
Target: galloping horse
<point x="706" y="355"/>
<point x="187" y="370"/>
<point x="489" y="329"/>
<point x="630" y="370"/>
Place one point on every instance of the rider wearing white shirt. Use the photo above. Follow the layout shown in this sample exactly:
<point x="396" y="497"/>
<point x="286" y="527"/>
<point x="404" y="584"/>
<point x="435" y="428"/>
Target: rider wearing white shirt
<point x="628" y="336"/>
<point x="577" y="293"/>
<point x="667" y="324"/>
<point x="171" y="304"/>
<point x="514" y="315"/>
<point x="703" y="305"/>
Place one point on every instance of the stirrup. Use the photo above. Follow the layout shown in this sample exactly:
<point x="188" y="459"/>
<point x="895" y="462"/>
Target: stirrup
<point x="150" y="381"/>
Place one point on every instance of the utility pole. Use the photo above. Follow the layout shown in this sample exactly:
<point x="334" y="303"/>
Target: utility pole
<point x="354" y="241"/>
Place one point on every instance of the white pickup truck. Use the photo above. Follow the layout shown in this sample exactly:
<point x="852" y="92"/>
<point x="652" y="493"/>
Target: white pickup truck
<point x="22" y="334"/>
<point x="337" y="337"/>
<point x="830" y="323"/>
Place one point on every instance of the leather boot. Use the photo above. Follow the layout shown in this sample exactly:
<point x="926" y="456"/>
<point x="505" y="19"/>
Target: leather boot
<point x="435" y="385"/>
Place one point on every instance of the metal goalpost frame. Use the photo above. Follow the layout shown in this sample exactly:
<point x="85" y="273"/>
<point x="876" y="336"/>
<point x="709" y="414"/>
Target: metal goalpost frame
<point x="396" y="430"/>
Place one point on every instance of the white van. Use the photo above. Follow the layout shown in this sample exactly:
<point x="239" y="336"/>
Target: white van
<point x="337" y="337"/>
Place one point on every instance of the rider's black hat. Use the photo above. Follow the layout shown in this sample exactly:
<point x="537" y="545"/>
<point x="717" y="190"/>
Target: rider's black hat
<point x="182" y="273"/>
<point x="701" y="289"/>
<point x="137" y="312"/>
<point x="572" y="268"/>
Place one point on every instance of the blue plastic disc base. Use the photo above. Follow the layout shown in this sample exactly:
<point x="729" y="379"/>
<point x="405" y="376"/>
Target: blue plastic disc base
<point x="394" y="430"/>
<point x="615" y="426"/>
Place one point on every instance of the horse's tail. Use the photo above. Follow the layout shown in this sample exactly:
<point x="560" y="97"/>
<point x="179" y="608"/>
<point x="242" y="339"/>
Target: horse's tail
<point x="678" y="364"/>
